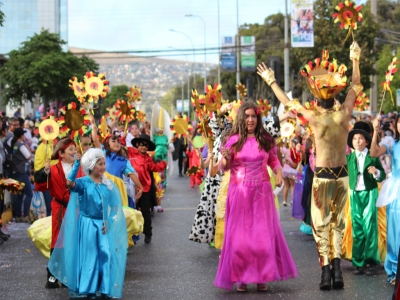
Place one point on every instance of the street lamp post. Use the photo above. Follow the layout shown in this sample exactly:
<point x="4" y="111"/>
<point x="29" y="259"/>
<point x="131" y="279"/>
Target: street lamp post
<point x="219" y="49"/>
<point x="205" y="59"/>
<point x="194" y="79"/>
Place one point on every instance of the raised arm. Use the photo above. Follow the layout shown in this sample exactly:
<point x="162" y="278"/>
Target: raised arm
<point x="376" y="150"/>
<point x="355" y="87"/>
<point x="95" y="138"/>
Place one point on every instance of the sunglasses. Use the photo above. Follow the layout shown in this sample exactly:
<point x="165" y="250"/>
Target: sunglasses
<point x="144" y="145"/>
<point x="86" y="144"/>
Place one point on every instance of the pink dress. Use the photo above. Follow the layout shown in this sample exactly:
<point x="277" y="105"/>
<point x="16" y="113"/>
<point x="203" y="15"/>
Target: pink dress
<point x="254" y="248"/>
<point x="288" y="171"/>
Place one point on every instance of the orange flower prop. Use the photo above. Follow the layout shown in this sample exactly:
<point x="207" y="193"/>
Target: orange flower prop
<point x="264" y="106"/>
<point x="388" y="79"/>
<point x="180" y="126"/>
<point x="78" y="88"/>
<point x="241" y="88"/>
<point x="73" y="121"/>
<point x="134" y="94"/>
<point x="198" y="104"/>
<point x="124" y="112"/>
<point x="95" y="86"/>
<point x="140" y="115"/>
<point x="362" y="102"/>
<point x="213" y="97"/>
<point x="49" y="128"/>
<point x="348" y="14"/>
<point x="234" y="110"/>
<point x="11" y="185"/>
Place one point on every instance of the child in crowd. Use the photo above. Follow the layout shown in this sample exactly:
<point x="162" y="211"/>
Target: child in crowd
<point x="364" y="172"/>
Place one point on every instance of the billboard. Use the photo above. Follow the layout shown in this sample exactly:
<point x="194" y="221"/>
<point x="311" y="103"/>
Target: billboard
<point x="302" y="23"/>
<point x="248" y="53"/>
<point x="228" y="55"/>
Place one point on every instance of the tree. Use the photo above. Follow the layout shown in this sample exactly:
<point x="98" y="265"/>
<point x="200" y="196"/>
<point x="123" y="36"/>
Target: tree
<point x="40" y="68"/>
<point x="117" y="92"/>
<point x="2" y="16"/>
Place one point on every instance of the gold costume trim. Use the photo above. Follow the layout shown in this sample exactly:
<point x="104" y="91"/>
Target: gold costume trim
<point x="293" y="105"/>
<point x="356" y="87"/>
<point x="327" y="169"/>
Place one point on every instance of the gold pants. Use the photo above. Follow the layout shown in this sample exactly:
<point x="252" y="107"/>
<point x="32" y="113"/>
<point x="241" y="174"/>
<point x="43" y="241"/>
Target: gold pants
<point x="328" y="220"/>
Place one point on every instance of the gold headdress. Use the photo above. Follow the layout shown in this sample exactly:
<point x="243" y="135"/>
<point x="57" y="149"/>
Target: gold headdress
<point x="325" y="79"/>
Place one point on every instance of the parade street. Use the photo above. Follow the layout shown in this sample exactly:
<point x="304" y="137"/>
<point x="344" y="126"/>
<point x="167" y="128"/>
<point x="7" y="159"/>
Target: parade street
<point x="172" y="267"/>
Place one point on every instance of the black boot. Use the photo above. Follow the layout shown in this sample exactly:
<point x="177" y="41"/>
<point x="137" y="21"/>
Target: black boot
<point x="1" y="241"/>
<point x="4" y="236"/>
<point x="52" y="282"/>
<point x="337" y="278"/>
<point x="325" y="278"/>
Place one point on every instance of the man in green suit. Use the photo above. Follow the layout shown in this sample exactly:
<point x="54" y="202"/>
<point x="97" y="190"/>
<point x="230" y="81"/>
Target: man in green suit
<point x="364" y="173"/>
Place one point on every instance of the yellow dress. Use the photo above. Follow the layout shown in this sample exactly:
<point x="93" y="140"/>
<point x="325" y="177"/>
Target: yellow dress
<point x="347" y="243"/>
<point x="220" y="214"/>
<point x="40" y="231"/>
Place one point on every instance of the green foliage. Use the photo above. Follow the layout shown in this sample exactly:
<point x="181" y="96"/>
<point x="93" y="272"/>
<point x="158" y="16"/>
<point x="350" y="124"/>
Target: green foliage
<point x="117" y="92"/>
<point x="40" y="68"/>
<point x="2" y="16"/>
<point x="386" y="56"/>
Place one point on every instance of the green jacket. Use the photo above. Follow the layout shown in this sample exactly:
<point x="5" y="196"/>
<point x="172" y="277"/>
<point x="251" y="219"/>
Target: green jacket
<point x="369" y="180"/>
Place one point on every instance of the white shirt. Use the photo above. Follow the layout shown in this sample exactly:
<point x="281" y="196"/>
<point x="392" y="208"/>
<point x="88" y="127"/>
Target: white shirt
<point x="360" y="186"/>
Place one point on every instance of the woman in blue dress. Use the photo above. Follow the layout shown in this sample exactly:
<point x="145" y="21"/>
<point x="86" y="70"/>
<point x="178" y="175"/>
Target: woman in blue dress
<point x="90" y="253"/>
<point x="389" y="195"/>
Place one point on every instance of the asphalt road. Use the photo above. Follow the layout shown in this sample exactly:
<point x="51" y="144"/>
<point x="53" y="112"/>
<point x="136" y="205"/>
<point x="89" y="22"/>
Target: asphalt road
<point x="172" y="267"/>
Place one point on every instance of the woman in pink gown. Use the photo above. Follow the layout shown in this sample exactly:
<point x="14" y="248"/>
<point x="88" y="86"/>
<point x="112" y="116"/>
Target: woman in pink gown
<point x="254" y="248"/>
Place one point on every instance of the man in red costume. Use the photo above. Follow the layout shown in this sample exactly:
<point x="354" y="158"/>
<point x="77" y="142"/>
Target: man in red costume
<point x="144" y="165"/>
<point x="53" y="178"/>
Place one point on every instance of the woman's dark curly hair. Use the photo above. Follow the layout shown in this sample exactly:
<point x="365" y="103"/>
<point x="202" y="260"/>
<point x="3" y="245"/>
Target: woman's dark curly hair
<point x="264" y="139"/>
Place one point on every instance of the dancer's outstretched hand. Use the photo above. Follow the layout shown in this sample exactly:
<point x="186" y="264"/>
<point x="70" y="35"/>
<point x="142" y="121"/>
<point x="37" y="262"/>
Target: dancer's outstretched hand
<point x="355" y="51"/>
<point x="267" y="74"/>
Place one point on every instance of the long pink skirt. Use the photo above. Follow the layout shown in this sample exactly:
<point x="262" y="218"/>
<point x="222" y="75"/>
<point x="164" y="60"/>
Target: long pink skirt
<point x="254" y="248"/>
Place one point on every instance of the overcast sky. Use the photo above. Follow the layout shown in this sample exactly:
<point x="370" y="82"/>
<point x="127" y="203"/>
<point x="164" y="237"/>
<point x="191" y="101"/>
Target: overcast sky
<point x="144" y="24"/>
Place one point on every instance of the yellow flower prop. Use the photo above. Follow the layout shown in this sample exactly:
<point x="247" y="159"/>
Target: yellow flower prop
<point x="140" y="115"/>
<point x="348" y="14"/>
<point x="213" y="98"/>
<point x="362" y="102"/>
<point x="11" y="185"/>
<point x="264" y="106"/>
<point x="241" y="88"/>
<point x="234" y="110"/>
<point x="49" y="128"/>
<point x="198" y="104"/>
<point x="287" y="129"/>
<point x="73" y="121"/>
<point x="388" y="78"/>
<point x="112" y="112"/>
<point x="103" y="128"/>
<point x="124" y="112"/>
<point x="180" y="126"/>
<point x="134" y="94"/>
<point x="78" y="88"/>
<point x="95" y="86"/>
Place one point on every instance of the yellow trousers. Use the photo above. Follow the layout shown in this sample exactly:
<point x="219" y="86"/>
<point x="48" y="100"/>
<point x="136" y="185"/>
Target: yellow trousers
<point x="327" y="214"/>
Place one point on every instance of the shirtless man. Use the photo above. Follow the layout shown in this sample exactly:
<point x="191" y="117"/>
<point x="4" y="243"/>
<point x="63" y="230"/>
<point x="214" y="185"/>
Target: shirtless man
<point x="330" y="184"/>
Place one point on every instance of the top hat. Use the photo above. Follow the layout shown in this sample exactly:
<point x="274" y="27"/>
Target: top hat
<point x="361" y="128"/>
<point x="324" y="79"/>
<point x="145" y="139"/>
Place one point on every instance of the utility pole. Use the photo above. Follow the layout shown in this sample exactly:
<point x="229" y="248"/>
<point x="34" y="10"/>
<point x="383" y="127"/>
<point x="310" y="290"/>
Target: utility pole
<point x="237" y="49"/>
<point x="286" y="51"/>
<point x="374" y="79"/>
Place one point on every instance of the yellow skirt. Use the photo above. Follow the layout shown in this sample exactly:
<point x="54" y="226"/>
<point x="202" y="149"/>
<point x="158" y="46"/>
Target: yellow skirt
<point x="221" y="207"/>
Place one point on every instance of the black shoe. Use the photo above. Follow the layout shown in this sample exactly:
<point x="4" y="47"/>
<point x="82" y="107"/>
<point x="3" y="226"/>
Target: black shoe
<point x="147" y="239"/>
<point x="359" y="271"/>
<point x="373" y="270"/>
<point x="1" y="241"/>
<point x="325" y="278"/>
<point x="4" y="236"/>
<point x="52" y="282"/>
<point x="152" y="213"/>
<point x="337" y="277"/>
<point x="180" y="175"/>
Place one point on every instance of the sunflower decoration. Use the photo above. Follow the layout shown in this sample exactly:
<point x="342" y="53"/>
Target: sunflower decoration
<point x="388" y="79"/>
<point x="264" y="106"/>
<point x="362" y="102"/>
<point x="47" y="130"/>
<point x="213" y="98"/>
<point x="112" y="113"/>
<point x="78" y="88"/>
<point x="134" y="94"/>
<point x="11" y="185"/>
<point x="241" y="88"/>
<point x="73" y="121"/>
<point x="287" y="129"/>
<point x="125" y="112"/>
<point x="140" y="115"/>
<point x="193" y="170"/>
<point x="95" y="86"/>
<point x="180" y="126"/>
<point x="198" y="104"/>
<point x="234" y="110"/>
<point x="348" y="14"/>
